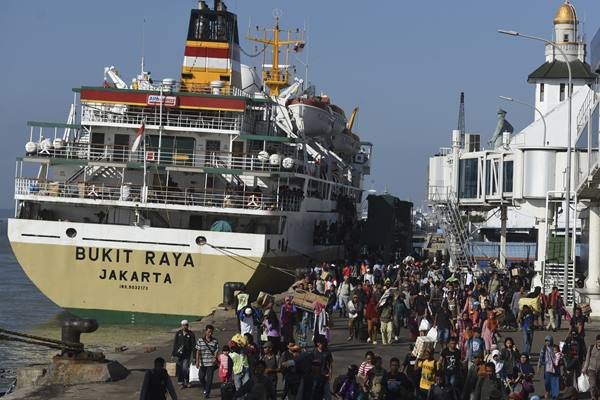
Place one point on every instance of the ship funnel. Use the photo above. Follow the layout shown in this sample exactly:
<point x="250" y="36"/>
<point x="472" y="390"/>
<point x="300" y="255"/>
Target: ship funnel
<point x="220" y="6"/>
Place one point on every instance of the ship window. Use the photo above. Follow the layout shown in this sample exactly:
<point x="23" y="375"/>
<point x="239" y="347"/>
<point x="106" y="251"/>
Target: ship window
<point x="71" y="232"/>
<point x="255" y="146"/>
<point x="565" y="37"/>
<point x="562" y="91"/>
<point x="176" y="149"/>
<point x="542" y="90"/>
<point x="213" y="146"/>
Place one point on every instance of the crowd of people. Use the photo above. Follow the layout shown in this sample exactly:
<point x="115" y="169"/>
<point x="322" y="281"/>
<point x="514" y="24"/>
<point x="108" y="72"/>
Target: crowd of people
<point x="461" y="326"/>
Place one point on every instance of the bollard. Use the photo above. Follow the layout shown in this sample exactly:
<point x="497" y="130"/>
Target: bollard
<point x="228" y="289"/>
<point x="73" y="328"/>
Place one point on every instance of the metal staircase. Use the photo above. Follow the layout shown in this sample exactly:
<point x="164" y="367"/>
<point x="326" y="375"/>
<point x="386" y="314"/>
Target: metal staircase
<point x="455" y="234"/>
<point x="554" y="275"/>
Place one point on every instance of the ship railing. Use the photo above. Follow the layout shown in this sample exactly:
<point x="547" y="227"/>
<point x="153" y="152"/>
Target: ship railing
<point x="214" y="121"/>
<point x="128" y="194"/>
<point x="174" y="157"/>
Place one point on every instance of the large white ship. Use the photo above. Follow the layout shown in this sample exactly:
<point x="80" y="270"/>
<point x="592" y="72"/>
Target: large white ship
<point x="153" y="195"/>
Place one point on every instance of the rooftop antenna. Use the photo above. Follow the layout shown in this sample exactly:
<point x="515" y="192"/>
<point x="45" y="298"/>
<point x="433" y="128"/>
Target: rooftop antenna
<point x="461" y="114"/>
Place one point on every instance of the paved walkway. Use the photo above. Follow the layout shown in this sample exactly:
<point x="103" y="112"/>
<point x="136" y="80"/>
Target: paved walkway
<point x="344" y="353"/>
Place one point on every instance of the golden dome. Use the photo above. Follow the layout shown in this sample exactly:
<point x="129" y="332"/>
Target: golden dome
<point x="566" y="14"/>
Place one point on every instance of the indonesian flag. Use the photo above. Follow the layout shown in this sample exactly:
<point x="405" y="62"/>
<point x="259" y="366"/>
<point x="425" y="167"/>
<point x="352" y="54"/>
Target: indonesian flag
<point x="138" y="137"/>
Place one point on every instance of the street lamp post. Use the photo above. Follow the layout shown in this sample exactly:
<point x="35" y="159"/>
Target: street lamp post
<point x="568" y="189"/>
<point x="530" y="106"/>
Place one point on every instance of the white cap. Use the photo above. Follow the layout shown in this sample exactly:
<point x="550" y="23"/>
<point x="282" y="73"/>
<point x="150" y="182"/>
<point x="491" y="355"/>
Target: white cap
<point x="248" y="311"/>
<point x="184" y="322"/>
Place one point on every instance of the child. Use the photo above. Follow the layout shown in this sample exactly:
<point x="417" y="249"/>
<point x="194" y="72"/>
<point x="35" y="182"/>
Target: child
<point x="225" y="364"/>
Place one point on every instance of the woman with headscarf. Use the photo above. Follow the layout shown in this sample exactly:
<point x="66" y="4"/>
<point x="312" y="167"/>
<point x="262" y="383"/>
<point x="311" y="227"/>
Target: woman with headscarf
<point x="488" y="330"/>
<point x="321" y="322"/>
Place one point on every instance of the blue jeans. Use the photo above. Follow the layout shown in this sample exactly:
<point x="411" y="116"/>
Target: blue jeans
<point x="552" y="384"/>
<point x="443" y="335"/>
<point x="527" y="341"/>
<point x="182" y="368"/>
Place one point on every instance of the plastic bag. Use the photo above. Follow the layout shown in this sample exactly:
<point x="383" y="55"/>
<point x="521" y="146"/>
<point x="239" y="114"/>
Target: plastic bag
<point x="432" y="334"/>
<point x="194" y="373"/>
<point x="583" y="383"/>
<point x="424" y="325"/>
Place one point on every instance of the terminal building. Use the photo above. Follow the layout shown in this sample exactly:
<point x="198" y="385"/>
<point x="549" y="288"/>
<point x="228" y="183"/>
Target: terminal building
<point x="518" y="180"/>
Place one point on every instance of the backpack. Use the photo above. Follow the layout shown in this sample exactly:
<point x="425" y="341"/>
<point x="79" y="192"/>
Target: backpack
<point x="377" y="390"/>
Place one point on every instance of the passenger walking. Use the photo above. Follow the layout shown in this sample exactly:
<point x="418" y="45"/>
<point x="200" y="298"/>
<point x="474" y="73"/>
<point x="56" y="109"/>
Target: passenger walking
<point x="206" y="358"/>
<point x="574" y="353"/>
<point x="343" y="293"/>
<point x="287" y="319"/>
<point x="592" y="368"/>
<point x="490" y="387"/>
<point x="550" y="359"/>
<point x="554" y="305"/>
<point x="157" y="383"/>
<point x="183" y="346"/>
<point x="450" y="363"/>
<point x="441" y="390"/>
<point x="355" y="316"/>
<point x="526" y="320"/>
<point x="386" y="315"/>
<point x="372" y="318"/>
<point x="475" y="345"/>
<point x="428" y="368"/>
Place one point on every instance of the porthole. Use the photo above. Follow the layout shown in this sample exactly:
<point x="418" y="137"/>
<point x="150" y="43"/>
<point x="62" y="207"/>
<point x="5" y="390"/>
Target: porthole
<point x="200" y="240"/>
<point x="71" y="232"/>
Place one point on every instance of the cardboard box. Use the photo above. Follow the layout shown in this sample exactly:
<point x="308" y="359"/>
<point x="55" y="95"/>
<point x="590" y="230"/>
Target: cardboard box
<point x="171" y="368"/>
<point x="422" y="345"/>
<point x="500" y="314"/>
<point x="305" y="300"/>
<point x="264" y="299"/>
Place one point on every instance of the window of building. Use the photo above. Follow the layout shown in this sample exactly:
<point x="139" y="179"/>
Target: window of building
<point x="542" y="92"/>
<point x="562" y="92"/>
<point x="468" y="171"/>
<point x="565" y="37"/>
<point x="507" y="177"/>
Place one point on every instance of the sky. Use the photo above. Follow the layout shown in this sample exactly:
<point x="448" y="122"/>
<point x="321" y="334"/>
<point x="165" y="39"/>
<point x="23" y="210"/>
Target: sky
<point x="404" y="63"/>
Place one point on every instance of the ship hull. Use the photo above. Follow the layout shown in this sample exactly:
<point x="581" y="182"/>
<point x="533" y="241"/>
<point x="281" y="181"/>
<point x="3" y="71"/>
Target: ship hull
<point x="132" y="274"/>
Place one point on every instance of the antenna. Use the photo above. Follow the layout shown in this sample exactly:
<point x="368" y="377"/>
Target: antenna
<point x="461" y="114"/>
<point x="143" y="43"/>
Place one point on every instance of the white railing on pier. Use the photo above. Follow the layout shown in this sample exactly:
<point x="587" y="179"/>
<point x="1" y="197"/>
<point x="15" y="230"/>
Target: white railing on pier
<point x="131" y="116"/>
<point x="132" y="195"/>
<point x="183" y="158"/>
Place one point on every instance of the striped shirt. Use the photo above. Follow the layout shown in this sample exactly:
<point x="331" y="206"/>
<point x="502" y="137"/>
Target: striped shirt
<point x="364" y="369"/>
<point x="208" y="351"/>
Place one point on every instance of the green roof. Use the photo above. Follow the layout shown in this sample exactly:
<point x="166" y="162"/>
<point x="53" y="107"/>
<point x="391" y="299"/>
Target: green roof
<point x="38" y="124"/>
<point x="559" y="70"/>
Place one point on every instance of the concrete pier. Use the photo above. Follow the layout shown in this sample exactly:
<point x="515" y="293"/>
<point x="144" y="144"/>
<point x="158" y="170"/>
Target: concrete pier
<point x="138" y="360"/>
